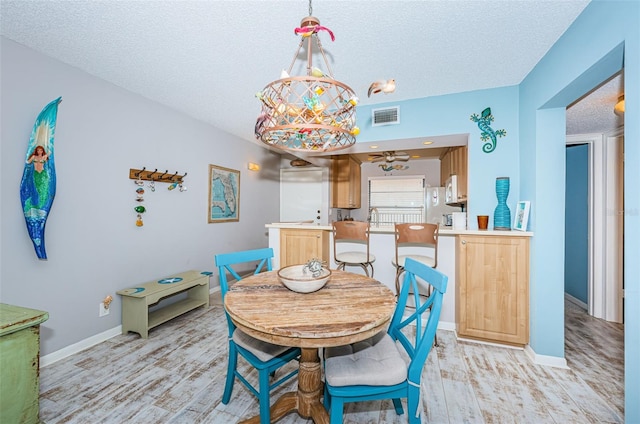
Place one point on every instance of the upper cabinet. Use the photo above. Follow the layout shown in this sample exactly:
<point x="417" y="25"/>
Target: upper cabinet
<point x="454" y="162"/>
<point x="345" y="182"/>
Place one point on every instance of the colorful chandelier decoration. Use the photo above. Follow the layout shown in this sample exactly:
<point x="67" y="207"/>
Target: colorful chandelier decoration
<point x="312" y="112"/>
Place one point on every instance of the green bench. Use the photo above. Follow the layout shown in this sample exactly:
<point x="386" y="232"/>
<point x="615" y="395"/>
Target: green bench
<point x="136" y="301"/>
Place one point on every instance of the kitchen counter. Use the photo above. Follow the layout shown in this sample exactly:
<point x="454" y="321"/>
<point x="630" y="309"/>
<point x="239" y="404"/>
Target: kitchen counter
<point x="382" y="245"/>
<point x="444" y="231"/>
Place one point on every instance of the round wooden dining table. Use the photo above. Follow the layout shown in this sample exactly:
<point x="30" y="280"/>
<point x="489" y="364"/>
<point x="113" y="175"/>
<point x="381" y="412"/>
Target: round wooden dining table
<point x="349" y="308"/>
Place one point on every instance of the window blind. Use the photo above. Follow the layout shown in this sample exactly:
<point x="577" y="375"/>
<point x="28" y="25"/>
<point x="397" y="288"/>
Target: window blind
<point x="396" y="200"/>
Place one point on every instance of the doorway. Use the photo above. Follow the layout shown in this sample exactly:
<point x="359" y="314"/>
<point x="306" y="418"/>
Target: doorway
<point x="594" y="224"/>
<point x="576" y="225"/>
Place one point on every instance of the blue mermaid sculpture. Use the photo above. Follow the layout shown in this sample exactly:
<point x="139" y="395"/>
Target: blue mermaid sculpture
<point x="38" y="185"/>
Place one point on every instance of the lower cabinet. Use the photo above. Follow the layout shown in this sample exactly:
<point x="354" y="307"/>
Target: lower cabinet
<point x="492" y="293"/>
<point x="298" y="246"/>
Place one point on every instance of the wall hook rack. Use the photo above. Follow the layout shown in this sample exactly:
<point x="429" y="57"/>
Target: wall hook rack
<point x="157" y="176"/>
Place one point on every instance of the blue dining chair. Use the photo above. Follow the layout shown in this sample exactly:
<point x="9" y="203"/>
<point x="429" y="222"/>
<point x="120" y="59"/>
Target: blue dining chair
<point x="376" y="368"/>
<point x="265" y="357"/>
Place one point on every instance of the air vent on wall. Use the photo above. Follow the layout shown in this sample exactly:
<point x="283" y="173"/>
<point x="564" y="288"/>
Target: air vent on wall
<point x="386" y="116"/>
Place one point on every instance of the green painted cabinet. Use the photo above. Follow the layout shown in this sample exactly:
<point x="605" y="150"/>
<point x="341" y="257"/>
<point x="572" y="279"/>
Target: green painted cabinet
<point x="19" y="364"/>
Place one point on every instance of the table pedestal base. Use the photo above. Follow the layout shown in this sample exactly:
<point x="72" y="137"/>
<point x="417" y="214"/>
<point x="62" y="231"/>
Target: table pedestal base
<point x="306" y="401"/>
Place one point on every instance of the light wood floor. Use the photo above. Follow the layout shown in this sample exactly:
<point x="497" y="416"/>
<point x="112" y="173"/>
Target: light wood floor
<point x="177" y="376"/>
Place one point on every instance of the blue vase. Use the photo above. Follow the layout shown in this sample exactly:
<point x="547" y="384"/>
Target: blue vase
<point x="502" y="214"/>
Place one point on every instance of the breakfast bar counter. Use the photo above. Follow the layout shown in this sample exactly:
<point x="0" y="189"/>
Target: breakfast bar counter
<point x="389" y="229"/>
<point x="382" y="245"/>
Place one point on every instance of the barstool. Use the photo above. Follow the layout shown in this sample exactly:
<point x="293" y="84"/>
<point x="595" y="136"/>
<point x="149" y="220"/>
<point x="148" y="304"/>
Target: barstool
<point x="352" y="235"/>
<point x="418" y="242"/>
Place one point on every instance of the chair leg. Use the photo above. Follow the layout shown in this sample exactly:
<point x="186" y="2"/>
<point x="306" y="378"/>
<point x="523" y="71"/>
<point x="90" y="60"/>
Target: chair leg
<point x="399" y="271"/>
<point x="327" y="398"/>
<point x="364" y="266"/>
<point x="413" y="403"/>
<point x="263" y="398"/>
<point x="335" y="413"/>
<point x="397" y="404"/>
<point x="231" y="373"/>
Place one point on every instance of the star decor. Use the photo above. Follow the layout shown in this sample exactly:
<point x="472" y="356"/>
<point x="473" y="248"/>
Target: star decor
<point x="170" y="280"/>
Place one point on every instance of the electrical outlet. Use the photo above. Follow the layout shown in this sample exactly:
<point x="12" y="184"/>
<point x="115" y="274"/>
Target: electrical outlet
<point x="103" y="311"/>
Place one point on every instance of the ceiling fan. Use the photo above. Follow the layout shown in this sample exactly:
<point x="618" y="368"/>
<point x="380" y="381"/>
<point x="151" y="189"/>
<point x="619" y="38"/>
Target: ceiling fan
<point x="390" y="156"/>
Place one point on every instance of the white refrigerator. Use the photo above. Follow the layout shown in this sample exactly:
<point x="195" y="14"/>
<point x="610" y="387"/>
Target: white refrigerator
<point x="436" y="208"/>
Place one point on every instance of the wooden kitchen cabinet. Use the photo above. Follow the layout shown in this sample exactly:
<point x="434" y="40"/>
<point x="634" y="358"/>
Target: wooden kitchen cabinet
<point x="460" y="169"/>
<point x="445" y="167"/>
<point x="345" y="182"/>
<point x="455" y="162"/>
<point x="492" y="293"/>
<point x="298" y="246"/>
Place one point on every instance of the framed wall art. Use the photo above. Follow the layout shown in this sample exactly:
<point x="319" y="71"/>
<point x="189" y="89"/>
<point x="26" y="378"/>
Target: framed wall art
<point x="522" y="215"/>
<point x="224" y="194"/>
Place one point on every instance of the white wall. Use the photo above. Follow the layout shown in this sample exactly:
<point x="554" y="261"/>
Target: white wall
<point x="93" y="245"/>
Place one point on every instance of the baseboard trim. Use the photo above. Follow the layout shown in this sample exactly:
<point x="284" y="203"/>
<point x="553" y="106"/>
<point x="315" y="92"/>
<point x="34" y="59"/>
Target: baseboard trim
<point x="488" y="343"/>
<point x="448" y="326"/>
<point x="576" y="301"/>
<point x="545" y="360"/>
<point x="80" y="346"/>
<point x="89" y="342"/>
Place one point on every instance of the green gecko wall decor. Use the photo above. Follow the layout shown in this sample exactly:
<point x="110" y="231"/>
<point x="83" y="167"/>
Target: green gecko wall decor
<point x="488" y="135"/>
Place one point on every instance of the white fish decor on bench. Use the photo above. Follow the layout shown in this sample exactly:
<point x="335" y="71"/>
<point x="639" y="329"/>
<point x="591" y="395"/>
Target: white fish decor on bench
<point x="38" y="185"/>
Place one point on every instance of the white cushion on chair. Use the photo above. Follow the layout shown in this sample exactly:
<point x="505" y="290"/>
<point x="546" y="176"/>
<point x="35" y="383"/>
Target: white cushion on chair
<point x="427" y="260"/>
<point x="355" y="257"/>
<point x="263" y="350"/>
<point x="372" y="362"/>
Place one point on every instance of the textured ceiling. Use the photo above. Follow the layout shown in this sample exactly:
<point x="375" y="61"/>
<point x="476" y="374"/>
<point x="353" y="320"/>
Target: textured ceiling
<point x="594" y="112"/>
<point x="209" y="58"/>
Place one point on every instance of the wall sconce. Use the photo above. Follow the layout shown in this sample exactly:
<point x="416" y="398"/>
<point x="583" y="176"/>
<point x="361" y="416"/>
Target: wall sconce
<point x="618" y="109"/>
<point x="253" y="166"/>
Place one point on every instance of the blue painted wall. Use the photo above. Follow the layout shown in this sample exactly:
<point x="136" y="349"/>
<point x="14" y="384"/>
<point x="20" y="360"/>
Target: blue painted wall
<point x="576" y="223"/>
<point x="601" y="40"/>
<point x="445" y="115"/>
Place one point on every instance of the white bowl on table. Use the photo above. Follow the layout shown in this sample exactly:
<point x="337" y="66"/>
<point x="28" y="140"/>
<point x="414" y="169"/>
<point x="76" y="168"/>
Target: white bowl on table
<point x="298" y="279"/>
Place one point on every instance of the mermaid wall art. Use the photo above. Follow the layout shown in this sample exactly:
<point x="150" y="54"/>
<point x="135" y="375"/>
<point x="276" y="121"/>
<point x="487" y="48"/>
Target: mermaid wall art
<point x="38" y="185"/>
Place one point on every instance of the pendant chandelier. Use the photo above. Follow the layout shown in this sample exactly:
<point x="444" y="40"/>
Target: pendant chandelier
<point x="312" y="112"/>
